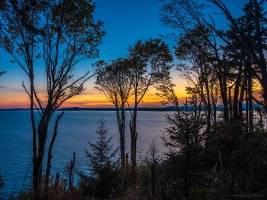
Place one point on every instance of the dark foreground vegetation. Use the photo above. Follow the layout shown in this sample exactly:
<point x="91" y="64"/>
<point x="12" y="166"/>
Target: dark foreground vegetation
<point x="212" y="153"/>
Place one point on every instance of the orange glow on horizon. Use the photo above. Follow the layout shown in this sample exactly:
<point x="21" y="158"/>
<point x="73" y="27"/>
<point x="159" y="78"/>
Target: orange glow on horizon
<point x="11" y="97"/>
<point x="93" y="99"/>
<point x="90" y="98"/>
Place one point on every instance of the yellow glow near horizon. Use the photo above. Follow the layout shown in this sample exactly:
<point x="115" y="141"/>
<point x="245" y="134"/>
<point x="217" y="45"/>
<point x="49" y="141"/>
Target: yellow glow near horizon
<point x="91" y="97"/>
<point x="82" y="101"/>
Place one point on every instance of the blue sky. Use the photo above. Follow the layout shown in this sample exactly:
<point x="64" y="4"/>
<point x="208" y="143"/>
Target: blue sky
<point x="125" y="22"/>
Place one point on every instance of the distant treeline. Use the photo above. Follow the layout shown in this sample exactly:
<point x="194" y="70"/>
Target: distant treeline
<point x="168" y="108"/>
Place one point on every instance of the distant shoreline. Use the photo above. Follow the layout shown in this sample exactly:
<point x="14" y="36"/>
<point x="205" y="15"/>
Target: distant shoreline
<point x="97" y="109"/>
<point x="169" y="108"/>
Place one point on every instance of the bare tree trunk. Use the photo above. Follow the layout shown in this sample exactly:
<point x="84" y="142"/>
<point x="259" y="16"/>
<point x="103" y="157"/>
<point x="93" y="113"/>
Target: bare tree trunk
<point x="247" y="119"/>
<point x="42" y="135"/>
<point x="224" y="91"/>
<point x="133" y="139"/>
<point x="250" y="103"/>
<point x="57" y="181"/>
<point x="230" y="102"/>
<point x="208" y="109"/>
<point x="72" y="164"/>
<point x="34" y="138"/>
<point x="242" y="90"/>
<point x="133" y="128"/>
<point x="121" y="126"/>
<point x="123" y="136"/>
<point x="236" y="89"/>
<point x="214" y="111"/>
<point x="48" y="167"/>
<point x="214" y="104"/>
<point x="207" y="103"/>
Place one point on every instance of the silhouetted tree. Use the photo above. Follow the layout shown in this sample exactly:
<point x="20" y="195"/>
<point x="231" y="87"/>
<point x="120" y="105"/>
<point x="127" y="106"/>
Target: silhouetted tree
<point x="186" y="18"/>
<point x="113" y="80"/>
<point x="67" y="33"/>
<point x="199" y="74"/>
<point x="149" y="61"/>
<point x="103" y="166"/>
<point x="255" y="40"/>
<point x="223" y="162"/>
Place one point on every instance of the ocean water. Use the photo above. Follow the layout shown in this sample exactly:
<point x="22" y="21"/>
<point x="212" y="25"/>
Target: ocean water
<point x="75" y="129"/>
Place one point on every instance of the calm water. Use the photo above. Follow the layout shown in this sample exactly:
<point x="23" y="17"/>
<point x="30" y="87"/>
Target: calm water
<point x="75" y="129"/>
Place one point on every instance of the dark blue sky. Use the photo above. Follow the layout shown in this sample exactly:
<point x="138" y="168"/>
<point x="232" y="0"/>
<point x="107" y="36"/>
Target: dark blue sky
<point x="127" y="21"/>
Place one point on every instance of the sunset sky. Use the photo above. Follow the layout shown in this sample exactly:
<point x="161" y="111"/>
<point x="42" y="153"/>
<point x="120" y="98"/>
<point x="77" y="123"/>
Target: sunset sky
<point x="125" y="22"/>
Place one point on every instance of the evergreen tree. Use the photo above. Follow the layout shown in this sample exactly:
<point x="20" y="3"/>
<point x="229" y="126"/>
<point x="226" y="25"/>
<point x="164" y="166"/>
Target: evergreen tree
<point x="103" y="166"/>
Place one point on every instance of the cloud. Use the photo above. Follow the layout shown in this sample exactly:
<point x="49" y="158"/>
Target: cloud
<point x="3" y="87"/>
<point x="12" y="89"/>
